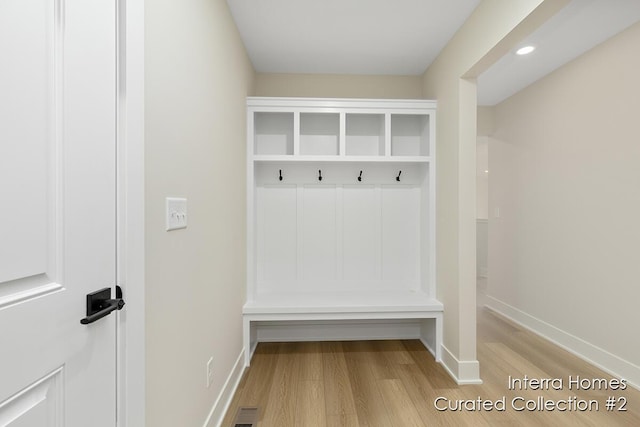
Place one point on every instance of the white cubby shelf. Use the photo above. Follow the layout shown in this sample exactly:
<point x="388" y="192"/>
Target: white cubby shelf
<point x="341" y="221"/>
<point x="341" y="159"/>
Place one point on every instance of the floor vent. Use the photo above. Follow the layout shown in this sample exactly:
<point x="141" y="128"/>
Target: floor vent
<point x="246" y="417"/>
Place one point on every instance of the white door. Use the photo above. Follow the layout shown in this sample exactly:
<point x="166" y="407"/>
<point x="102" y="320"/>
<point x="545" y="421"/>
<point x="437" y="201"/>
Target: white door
<point x="57" y="211"/>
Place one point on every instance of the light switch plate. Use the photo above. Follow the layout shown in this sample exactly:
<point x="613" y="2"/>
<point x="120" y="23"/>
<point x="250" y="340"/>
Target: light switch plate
<point x="176" y="211"/>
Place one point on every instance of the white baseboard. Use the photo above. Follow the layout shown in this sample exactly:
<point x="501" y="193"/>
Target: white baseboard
<point x="463" y="372"/>
<point x="590" y="353"/>
<point x="220" y="407"/>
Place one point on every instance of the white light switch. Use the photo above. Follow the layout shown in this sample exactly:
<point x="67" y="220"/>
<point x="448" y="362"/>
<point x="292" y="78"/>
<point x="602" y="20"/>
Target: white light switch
<point x="176" y="213"/>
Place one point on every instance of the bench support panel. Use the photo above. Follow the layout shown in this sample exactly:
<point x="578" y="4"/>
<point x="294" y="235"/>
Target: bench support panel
<point x="427" y="327"/>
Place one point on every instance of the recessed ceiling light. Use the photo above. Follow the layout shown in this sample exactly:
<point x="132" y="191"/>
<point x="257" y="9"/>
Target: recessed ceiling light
<point x="525" y="50"/>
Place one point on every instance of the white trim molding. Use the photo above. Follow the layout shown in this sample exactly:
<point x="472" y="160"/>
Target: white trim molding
<point x="222" y="403"/>
<point x="588" y="352"/>
<point x="463" y="372"/>
<point x="131" y="356"/>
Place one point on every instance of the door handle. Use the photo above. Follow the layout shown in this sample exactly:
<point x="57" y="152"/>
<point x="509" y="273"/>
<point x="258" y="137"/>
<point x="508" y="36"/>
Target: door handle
<point x="100" y="304"/>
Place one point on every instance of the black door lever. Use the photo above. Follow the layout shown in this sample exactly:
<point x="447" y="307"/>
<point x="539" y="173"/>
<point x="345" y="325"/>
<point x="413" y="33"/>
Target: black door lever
<point x="100" y="304"/>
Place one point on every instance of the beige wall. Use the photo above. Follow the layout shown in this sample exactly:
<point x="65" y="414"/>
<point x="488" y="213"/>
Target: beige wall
<point x="484" y="129"/>
<point x="197" y="77"/>
<point x="485" y="120"/>
<point x="482" y="177"/>
<point x="338" y="86"/>
<point x="566" y="179"/>
<point x="491" y="30"/>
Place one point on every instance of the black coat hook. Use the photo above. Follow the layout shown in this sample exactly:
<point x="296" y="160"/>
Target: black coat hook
<point x="280" y="177"/>
<point x="319" y="175"/>
<point x="360" y="176"/>
<point x="398" y="177"/>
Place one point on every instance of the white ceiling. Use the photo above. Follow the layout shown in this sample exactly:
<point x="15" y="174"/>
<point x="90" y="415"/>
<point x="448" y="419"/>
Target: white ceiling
<point x="402" y="37"/>
<point x="399" y="37"/>
<point x="580" y="26"/>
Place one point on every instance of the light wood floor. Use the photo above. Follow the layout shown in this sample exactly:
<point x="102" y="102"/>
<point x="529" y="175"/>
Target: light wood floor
<point x="395" y="383"/>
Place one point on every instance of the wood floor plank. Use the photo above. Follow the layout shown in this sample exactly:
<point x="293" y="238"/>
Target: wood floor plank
<point x="342" y="420"/>
<point x="380" y="367"/>
<point x="280" y="409"/>
<point x="395" y="352"/>
<point x="366" y="395"/>
<point x="310" y="361"/>
<point x="339" y="401"/>
<point x="310" y="405"/>
<point x="423" y="395"/>
<point x="254" y="389"/>
<point x="401" y="410"/>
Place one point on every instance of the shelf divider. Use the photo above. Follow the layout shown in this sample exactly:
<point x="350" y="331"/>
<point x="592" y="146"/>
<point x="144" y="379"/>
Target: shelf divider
<point x="296" y="133"/>
<point x="387" y="135"/>
<point x="343" y="135"/>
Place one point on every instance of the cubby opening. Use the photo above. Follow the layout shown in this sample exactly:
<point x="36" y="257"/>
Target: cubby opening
<point x="273" y="133"/>
<point x="319" y="134"/>
<point x="365" y="134"/>
<point x="410" y="134"/>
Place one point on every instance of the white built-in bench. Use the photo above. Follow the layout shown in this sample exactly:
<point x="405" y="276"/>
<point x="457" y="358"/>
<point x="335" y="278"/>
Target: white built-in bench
<point x="341" y="221"/>
<point x="342" y="316"/>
